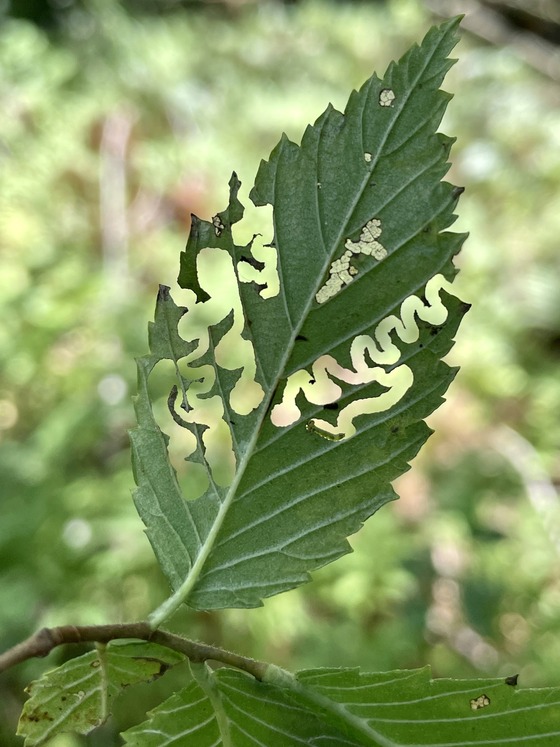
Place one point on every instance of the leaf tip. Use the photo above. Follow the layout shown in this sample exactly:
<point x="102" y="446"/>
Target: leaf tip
<point x="163" y="293"/>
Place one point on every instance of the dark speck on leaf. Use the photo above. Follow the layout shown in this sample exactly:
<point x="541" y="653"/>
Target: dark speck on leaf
<point x="395" y="429"/>
<point x="301" y="338"/>
<point x="331" y="406"/>
<point x="512" y="680"/>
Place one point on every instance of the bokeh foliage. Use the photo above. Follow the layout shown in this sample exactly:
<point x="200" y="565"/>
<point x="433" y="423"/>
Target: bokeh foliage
<point x="114" y="129"/>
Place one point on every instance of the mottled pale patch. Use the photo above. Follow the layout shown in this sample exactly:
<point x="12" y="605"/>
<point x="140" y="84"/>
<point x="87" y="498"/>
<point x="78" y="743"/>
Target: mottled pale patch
<point x="386" y="97"/>
<point x="218" y="225"/>
<point x="341" y="271"/>
<point x="481" y="702"/>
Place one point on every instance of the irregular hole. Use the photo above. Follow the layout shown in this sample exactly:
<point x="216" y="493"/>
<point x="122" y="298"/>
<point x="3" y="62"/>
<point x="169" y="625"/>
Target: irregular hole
<point x="196" y="399"/>
<point x="259" y="265"/>
<point x="216" y="275"/>
<point x="369" y="358"/>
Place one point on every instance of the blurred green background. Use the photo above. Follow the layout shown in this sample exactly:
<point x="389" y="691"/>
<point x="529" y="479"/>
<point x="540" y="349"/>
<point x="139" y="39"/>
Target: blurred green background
<point x="118" y="121"/>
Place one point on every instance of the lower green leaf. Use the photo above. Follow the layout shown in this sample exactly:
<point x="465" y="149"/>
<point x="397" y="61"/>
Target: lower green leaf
<point x="187" y="718"/>
<point x="344" y="707"/>
<point x="77" y="696"/>
<point x="231" y="708"/>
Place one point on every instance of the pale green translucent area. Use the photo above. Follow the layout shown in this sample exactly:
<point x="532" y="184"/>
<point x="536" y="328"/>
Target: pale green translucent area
<point x="192" y="99"/>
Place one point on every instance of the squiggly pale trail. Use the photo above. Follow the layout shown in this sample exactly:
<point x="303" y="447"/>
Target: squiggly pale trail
<point x="319" y="387"/>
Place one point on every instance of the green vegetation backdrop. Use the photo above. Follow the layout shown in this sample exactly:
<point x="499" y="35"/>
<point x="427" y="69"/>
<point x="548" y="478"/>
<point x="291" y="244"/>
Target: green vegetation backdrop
<point x="114" y="129"/>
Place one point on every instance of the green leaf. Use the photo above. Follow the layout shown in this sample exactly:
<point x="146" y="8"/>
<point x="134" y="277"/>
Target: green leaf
<point x="231" y="708"/>
<point x="186" y="718"/>
<point x="78" y="695"/>
<point x="342" y="360"/>
<point x="334" y="708"/>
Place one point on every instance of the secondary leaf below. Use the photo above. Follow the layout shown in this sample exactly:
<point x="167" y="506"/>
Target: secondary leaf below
<point x="77" y="696"/>
<point x="347" y="708"/>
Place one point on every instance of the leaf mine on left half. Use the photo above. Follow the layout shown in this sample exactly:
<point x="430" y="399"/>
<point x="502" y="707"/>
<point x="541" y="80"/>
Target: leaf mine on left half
<point x="322" y="356"/>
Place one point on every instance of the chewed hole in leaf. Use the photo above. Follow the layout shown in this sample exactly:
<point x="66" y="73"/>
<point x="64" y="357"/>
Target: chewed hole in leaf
<point x="192" y="410"/>
<point x="172" y="417"/>
<point x="232" y="351"/>
<point x="259" y="263"/>
<point x="320" y="386"/>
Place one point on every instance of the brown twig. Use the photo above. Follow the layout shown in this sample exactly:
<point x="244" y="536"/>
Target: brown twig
<point x="40" y="644"/>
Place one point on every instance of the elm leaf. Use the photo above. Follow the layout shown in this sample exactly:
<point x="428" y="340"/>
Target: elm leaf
<point x="322" y="352"/>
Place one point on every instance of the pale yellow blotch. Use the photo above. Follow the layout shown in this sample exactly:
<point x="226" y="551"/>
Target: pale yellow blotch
<point x="367" y="157"/>
<point x="313" y="428"/>
<point x="218" y="225"/>
<point x="341" y="271"/>
<point x="481" y="702"/>
<point x="386" y="97"/>
<point x="367" y="243"/>
<point x="319" y="387"/>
